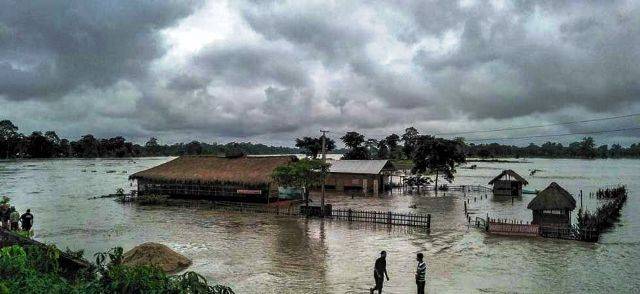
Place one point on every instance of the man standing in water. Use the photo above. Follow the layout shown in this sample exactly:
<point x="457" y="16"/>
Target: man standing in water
<point x="421" y="273"/>
<point x="27" y="220"/>
<point x="379" y="272"/>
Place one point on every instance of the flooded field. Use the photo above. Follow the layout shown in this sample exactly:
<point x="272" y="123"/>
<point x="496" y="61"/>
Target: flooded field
<point x="275" y="254"/>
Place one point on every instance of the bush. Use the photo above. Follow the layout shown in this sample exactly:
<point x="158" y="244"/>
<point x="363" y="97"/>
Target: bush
<point x="37" y="270"/>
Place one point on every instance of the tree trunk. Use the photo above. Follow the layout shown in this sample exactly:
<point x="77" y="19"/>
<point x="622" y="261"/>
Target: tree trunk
<point x="436" y="182"/>
<point x="306" y="198"/>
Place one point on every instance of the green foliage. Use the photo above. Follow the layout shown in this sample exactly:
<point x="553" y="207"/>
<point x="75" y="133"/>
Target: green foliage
<point x="32" y="270"/>
<point x="613" y="199"/>
<point x="437" y="155"/>
<point x="120" y="192"/>
<point x="118" y="278"/>
<point x="300" y="174"/>
<point x="37" y="270"/>
<point x="5" y="200"/>
<point x="313" y="146"/>
<point x="355" y="146"/>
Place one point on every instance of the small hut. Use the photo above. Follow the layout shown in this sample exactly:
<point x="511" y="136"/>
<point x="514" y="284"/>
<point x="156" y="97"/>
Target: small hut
<point x="552" y="207"/>
<point x="359" y="175"/>
<point x="243" y="178"/>
<point x="508" y="183"/>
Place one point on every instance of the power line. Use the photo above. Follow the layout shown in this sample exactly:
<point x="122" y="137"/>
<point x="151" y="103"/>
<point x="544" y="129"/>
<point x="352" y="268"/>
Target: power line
<point x="540" y="126"/>
<point x="554" y="135"/>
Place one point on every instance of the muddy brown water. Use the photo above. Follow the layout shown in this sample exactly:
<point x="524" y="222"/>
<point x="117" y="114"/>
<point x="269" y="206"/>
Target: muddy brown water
<point x="258" y="253"/>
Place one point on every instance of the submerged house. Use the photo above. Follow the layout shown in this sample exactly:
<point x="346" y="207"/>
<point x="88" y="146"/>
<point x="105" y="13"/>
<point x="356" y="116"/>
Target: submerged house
<point x="552" y="207"/>
<point x="508" y="183"/>
<point x="359" y="175"/>
<point x="243" y="178"/>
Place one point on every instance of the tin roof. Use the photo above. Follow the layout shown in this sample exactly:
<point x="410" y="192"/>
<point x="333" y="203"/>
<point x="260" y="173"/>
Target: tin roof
<point x="372" y="167"/>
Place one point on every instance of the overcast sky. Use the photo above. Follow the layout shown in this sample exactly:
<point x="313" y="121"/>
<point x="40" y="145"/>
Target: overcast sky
<point x="269" y="71"/>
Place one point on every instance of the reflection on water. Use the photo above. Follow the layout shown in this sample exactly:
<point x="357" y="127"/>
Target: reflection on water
<point x="277" y="254"/>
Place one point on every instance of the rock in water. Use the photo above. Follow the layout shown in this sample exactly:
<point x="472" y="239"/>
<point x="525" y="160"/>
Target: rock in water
<point x="156" y="254"/>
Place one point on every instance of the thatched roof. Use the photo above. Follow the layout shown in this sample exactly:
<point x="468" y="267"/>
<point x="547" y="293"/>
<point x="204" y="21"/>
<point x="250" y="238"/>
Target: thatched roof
<point x="553" y="197"/>
<point x="514" y="177"/>
<point x="212" y="169"/>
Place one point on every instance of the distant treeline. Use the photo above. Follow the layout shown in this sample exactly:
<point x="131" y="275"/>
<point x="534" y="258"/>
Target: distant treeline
<point x="14" y="144"/>
<point x="586" y="148"/>
<point x="48" y="145"/>
<point x="404" y="146"/>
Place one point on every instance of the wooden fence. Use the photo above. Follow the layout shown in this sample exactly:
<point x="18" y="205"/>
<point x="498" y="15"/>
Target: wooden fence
<point x="454" y="188"/>
<point x="380" y="217"/>
<point x="390" y="218"/>
<point x="570" y="233"/>
<point x="513" y="229"/>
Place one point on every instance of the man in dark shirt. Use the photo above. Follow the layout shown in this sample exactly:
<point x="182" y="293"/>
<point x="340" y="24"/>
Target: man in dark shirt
<point x="27" y="220"/>
<point x="379" y="272"/>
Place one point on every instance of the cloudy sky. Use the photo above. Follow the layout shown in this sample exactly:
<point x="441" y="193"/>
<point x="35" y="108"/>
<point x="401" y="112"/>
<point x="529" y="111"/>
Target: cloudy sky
<point x="271" y="70"/>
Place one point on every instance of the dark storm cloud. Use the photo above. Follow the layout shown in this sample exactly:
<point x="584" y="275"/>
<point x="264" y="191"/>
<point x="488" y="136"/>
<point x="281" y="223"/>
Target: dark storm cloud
<point x="285" y="68"/>
<point x="247" y="65"/>
<point x="505" y="68"/>
<point x="49" y="48"/>
<point x="329" y="34"/>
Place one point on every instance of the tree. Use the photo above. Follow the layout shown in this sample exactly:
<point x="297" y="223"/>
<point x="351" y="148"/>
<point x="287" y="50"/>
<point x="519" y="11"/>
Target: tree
<point x="392" y="144"/>
<point x="313" y="146"/>
<point x="615" y="151"/>
<point x="354" y="142"/>
<point x="194" y="148"/>
<point x="437" y="155"/>
<point x="383" y="149"/>
<point x="9" y="138"/>
<point x="586" y="148"/>
<point x="484" y="153"/>
<point x="303" y="174"/>
<point x="87" y="147"/>
<point x="409" y="138"/>
<point x="38" y="146"/>
<point x="152" y="146"/>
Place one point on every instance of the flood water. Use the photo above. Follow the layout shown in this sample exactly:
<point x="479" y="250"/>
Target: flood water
<point x="258" y="253"/>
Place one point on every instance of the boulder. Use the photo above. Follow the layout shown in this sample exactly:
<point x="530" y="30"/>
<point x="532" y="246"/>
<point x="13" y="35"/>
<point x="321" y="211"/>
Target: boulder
<point x="156" y="254"/>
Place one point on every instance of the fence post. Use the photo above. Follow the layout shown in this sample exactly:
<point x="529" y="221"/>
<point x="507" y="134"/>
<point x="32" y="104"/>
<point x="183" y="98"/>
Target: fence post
<point x="349" y="214"/>
<point x="429" y="222"/>
<point x="389" y="217"/>
<point x="465" y="208"/>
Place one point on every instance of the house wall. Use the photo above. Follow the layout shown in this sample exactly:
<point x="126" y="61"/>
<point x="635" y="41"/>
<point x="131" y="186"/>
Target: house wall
<point x="507" y="188"/>
<point x="560" y="218"/>
<point x="354" y="182"/>
<point x="219" y="192"/>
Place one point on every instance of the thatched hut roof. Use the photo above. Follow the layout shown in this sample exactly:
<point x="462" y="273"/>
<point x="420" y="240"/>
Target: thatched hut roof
<point x="202" y="169"/>
<point x="553" y="197"/>
<point x="514" y="175"/>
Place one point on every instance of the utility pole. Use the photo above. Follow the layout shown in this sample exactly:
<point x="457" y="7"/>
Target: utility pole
<point x="324" y="161"/>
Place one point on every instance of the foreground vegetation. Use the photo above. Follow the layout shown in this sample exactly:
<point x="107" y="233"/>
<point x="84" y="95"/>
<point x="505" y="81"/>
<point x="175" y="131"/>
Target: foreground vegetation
<point x="608" y="213"/>
<point x="32" y="269"/>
